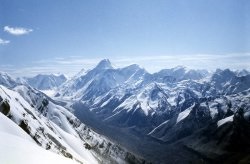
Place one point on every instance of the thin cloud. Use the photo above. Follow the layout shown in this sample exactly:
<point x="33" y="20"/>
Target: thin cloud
<point x="17" y="30"/>
<point x="195" y="61"/>
<point x="4" y="42"/>
<point x="71" y="65"/>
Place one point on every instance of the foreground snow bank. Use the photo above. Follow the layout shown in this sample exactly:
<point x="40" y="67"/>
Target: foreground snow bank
<point x="18" y="147"/>
<point x="16" y="150"/>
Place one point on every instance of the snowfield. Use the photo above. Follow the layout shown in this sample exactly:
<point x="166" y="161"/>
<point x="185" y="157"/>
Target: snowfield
<point x="225" y="120"/>
<point x="16" y="150"/>
<point x="17" y="147"/>
<point x="184" y="114"/>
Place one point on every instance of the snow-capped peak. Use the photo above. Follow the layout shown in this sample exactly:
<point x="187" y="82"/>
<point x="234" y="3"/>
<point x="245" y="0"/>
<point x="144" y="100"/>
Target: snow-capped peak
<point x="46" y="82"/>
<point x="179" y="68"/>
<point x="104" y="64"/>
<point x="6" y="79"/>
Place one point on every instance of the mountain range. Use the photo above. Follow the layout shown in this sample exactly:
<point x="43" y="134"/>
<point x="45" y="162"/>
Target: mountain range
<point x="43" y="81"/>
<point x="128" y="115"/>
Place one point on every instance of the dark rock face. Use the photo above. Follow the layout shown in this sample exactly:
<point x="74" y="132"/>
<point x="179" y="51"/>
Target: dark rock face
<point x="239" y="140"/>
<point x="228" y="143"/>
<point x="4" y="107"/>
<point x="24" y="125"/>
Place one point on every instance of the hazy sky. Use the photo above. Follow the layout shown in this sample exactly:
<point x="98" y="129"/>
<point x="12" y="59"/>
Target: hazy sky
<point x="48" y="36"/>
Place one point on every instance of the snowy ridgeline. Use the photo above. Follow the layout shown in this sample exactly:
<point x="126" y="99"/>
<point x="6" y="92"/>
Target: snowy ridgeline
<point x="44" y="82"/>
<point x="29" y="120"/>
<point x="154" y="98"/>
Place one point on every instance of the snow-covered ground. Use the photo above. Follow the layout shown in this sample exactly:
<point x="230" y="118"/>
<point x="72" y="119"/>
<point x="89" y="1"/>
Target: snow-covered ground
<point x="225" y="120"/>
<point x="17" y="147"/>
<point x="17" y="150"/>
<point x="49" y="92"/>
<point x="184" y="114"/>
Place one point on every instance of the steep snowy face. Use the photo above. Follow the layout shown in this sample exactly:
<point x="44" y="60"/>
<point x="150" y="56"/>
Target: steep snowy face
<point x="12" y="136"/>
<point x="7" y="80"/>
<point x="104" y="64"/>
<point x="132" y="74"/>
<point x="100" y="80"/>
<point x="46" y="125"/>
<point x="148" y="100"/>
<point x="46" y="82"/>
<point x="83" y="79"/>
<point x="35" y="119"/>
<point x="221" y="77"/>
<point x="136" y="106"/>
<point x="227" y="82"/>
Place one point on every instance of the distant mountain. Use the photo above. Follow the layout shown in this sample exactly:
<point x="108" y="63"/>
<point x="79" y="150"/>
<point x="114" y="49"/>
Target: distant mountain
<point x="167" y="106"/>
<point x="45" y="82"/>
<point x="243" y="72"/>
<point x="181" y="73"/>
<point x="99" y="80"/>
<point x="7" y="80"/>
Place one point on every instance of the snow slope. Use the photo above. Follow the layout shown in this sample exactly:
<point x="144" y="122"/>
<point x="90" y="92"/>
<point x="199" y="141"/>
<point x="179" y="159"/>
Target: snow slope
<point x="184" y="114"/>
<point x="41" y="127"/>
<point x="16" y="146"/>
<point x="16" y="150"/>
<point x="9" y="127"/>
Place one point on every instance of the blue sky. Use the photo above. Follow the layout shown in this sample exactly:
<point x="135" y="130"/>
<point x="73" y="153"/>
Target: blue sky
<point x="67" y="35"/>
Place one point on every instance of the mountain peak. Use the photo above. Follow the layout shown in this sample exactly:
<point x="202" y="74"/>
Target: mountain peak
<point x="179" y="67"/>
<point x="225" y="72"/>
<point x="104" y="64"/>
<point x="133" y="67"/>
